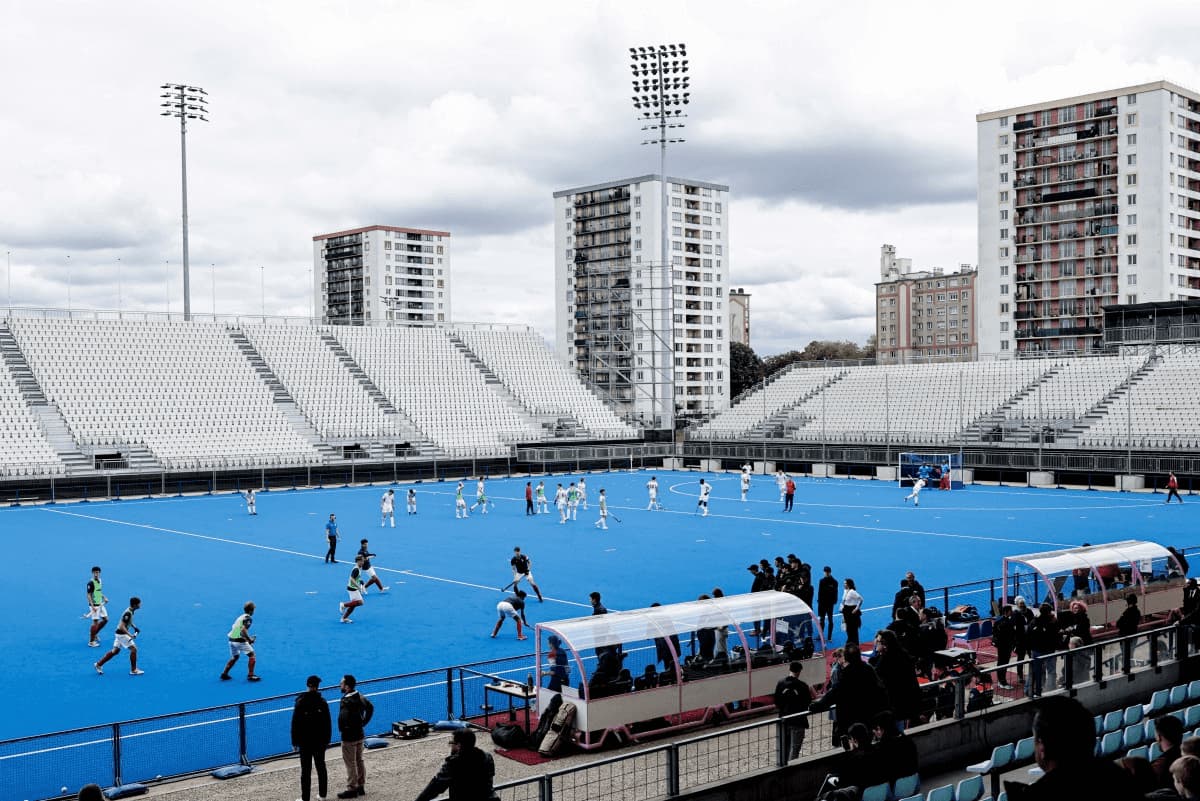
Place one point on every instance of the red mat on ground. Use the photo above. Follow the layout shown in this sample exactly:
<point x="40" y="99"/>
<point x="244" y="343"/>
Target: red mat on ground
<point x="525" y="756"/>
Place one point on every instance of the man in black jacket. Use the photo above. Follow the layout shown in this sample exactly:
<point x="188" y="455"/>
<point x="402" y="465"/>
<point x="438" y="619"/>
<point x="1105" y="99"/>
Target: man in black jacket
<point x="1004" y="638"/>
<point x="353" y="715"/>
<point x="311" y="732"/>
<point x="827" y="598"/>
<point x="467" y="773"/>
<point x="791" y="697"/>
<point x="858" y="694"/>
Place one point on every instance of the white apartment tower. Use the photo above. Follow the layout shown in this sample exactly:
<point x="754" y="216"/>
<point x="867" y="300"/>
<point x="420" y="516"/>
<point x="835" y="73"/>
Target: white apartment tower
<point x="644" y="339"/>
<point x="1085" y="202"/>
<point x="381" y="275"/>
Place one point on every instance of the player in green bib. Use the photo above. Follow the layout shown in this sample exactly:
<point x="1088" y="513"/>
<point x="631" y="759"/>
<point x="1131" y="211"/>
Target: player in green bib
<point x="241" y="642"/>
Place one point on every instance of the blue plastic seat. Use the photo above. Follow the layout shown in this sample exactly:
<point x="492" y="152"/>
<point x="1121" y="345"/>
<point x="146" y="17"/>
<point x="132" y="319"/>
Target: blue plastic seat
<point x="969" y="789"/>
<point x="1194" y="690"/>
<point x="917" y="797"/>
<point x="1111" y="744"/>
<point x="1114" y="720"/>
<point x="1179" y="695"/>
<point x="876" y="792"/>
<point x="1148" y="737"/>
<point x="1191" y="718"/>
<point x="1133" y="714"/>
<point x="941" y="793"/>
<point x="1024" y="750"/>
<point x="1158" y="702"/>
<point x="1133" y="736"/>
<point x="1142" y="751"/>
<point x="906" y="786"/>
<point x="1155" y="751"/>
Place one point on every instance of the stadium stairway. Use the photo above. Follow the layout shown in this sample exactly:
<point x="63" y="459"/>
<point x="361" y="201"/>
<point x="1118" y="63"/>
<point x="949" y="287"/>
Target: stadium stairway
<point x="283" y="399"/>
<point x="14" y="360"/>
<point x="61" y="439"/>
<point x="417" y="440"/>
<point x="785" y="422"/>
<point x="1102" y="409"/>
<point x="998" y="418"/>
<point x="547" y="423"/>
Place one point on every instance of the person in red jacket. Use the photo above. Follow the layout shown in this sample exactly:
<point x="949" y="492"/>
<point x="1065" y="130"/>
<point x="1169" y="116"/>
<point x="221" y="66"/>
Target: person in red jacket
<point x="1173" y="488"/>
<point x="789" y="494"/>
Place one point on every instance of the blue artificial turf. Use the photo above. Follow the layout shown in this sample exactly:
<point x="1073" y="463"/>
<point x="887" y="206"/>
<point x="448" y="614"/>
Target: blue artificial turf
<point x="194" y="562"/>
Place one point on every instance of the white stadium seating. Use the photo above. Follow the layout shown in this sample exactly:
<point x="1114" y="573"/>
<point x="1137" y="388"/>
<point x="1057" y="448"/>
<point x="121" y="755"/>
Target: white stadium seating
<point x="22" y="441"/>
<point x="543" y="384"/>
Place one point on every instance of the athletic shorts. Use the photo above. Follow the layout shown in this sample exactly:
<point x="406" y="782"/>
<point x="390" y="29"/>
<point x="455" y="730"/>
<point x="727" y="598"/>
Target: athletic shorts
<point x="123" y="641"/>
<point x="371" y="572"/>
<point x="461" y="503"/>
<point x="237" y="648"/>
<point x="505" y="609"/>
<point x="98" y="612"/>
<point x="527" y="576"/>
<point x="355" y="595"/>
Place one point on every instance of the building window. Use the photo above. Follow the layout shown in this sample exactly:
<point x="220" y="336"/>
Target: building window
<point x="1131" y="99"/>
<point x="1003" y="269"/>
<point x="1131" y="159"/>
<point x="1131" y="299"/>
<point x="1004" y="233"/>
<point x="1131" y="179"/>
<point x="1131" y="119"/>
<point x="1131" y="139"/>
<point x="1004" y="289"/>
<point x="1003" y="158"/>
<point x="1003" y="177"/>
<point x="1131" y="279"/>
<point x="1004" y="122"/>
<point x="1003" y="139"/>
<point x="1131" y="219"/>
<point x="1003" y="344"/>
<point x="1004" y="253"/>
<point x="1004" y="197"/>
<point x="1131" y="239"/>
<point x="1131" y="200"/>
<point x="1003" y="214"/>
<point x="1131" y="258"/>
<point x="1004" y="308"/>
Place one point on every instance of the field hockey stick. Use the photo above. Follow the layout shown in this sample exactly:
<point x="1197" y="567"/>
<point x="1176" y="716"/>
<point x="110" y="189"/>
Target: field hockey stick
<point x="614" y="517"/>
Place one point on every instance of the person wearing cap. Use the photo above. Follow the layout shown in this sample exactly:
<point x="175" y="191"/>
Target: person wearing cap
<point x="312" y="729"/>
<point x="556" y="660"/>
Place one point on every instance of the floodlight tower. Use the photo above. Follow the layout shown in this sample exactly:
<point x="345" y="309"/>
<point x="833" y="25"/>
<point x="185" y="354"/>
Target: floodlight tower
<point x="186" y="103"/>
<point x="660" y="84"/>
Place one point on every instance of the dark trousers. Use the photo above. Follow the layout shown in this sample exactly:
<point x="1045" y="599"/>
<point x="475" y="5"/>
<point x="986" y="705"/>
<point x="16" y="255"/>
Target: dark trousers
<point x="1172" y="492"/>
<point x="529" y="506"/>
<point x="826" y="622"/>
<point x="787" y="502"/>
<point x="332" y="552"/>
<point x="310" y="755"/>
<point x="1003" y="654"/>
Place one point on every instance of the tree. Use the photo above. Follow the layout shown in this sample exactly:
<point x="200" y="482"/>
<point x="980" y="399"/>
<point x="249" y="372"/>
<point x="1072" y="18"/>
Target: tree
<point x="745" y="368"/>
<point x="821" y="350"/>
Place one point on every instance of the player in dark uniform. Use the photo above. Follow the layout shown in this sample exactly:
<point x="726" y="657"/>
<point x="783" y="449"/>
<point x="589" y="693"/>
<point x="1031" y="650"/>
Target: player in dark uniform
<point x="241" y="642"/>
<point x="125" y="634"/>
<point x="367" y="570"/>
<point x="513" y="606"/>
<point x="521" y="569"/>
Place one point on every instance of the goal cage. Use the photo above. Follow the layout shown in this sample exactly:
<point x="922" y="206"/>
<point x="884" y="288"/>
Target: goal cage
<point x="931" y="467"/>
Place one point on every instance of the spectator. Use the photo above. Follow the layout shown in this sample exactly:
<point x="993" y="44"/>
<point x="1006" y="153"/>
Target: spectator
<point x="1076" y="623"/>
<point x="827" y="594"/>
<point x="1064" y="747"/>
<point x="353" y="715"/>
<point x="1127" y="626"/>
<point x="898" y="676"/>
<point x="1080" y="661"/>
<point x="312" y="729"/>
<point x="664" y="652"/>
<point x="1004" y="638"/>
<point x="793" y="696"/>
<point x="760" y="583"/>
<point x="1168" y="733"/>
<point x="1044" y="642"/>
<point x="90" y="792"/>
<point x="1190" y="746"/>
<point x="858" y="767"/>
<point x="1179" y="558"/>
<point x="557" y="665"/>
<point x="900" y="599"/>
<point x="1022" y="618"/>
<point x="858" y="694"/>
<point x="896" y="754"/>
<point x="915" y="586"/>
<point x="1185" y="773"/>
<point x="467" y="773"/>
<point x="1140" y="771"/>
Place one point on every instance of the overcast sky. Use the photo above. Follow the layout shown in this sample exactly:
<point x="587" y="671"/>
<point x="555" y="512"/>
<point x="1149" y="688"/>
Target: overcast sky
<point x="837" y="126"/>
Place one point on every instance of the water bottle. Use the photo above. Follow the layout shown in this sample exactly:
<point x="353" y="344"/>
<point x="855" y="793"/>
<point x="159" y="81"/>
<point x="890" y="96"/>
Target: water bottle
<point x="529" y="682"/>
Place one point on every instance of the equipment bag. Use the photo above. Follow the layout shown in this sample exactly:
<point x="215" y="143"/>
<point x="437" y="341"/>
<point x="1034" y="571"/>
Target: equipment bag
<point x="509" y="735"/>
<point x="559" y="736"/>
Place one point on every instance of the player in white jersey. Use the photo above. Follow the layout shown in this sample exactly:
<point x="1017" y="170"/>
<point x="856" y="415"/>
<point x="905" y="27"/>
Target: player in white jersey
<point x="460" y="503"/>
<point x="480" y="497"/>
<point x="583" y="493"/>
<point x="250" y="500"/>
<point x="915" y="495"/>
<point x="560" y="501"/>
<point x="745" y="483"/>
<point x="573" y="501"/>
<point x="781" y="482"/>
<point x="652" y="489"/>
<point x="387" y="506"/>
<point x="603" y="521"/>
<point x="543" y="507"/>
<point x="412" y="501"/>
<point x="702" y="503"/>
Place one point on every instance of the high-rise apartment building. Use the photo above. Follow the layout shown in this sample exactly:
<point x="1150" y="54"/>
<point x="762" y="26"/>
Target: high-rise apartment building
<point x="1085" y="202"/>
<point x="382" y="274"/>
<point x="654" y="342"/>
<point x="926" y="315"/>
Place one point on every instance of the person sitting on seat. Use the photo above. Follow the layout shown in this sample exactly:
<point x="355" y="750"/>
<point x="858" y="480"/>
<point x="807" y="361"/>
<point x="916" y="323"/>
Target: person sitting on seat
<point x="895" y="752"/>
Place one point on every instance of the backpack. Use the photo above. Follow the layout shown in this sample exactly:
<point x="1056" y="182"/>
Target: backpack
<point x="546" y="720"/>
<point x="559" y="736"/>
<point x="509" y="735"/>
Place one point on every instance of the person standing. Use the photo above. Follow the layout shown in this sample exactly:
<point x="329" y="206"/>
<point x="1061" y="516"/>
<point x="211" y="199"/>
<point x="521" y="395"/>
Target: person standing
<point x="652" y="489"/>
<point x="560" y="502"/>
<point x="367" y="568"/>
<point x="513" y="606"/>
<point x="480" y="497"/>
<point x="97" y="611"/>
<point x="573" y="502"/>
<point x="702" y="503"/>
<point x="745" y="482"/>
<point x="354" y="714"/>
<point x="583" y="493"/>
<point x="412" y="501"/>
<point x="354" y="587"/>
<point x="789" y="494"/>
<point x="460" y="503"/>
<point x="543" y="507"/>
<point x="760" y="583"/>
<point x="242" y="642"/>
<point x="851" y="611"/>
<point x="792" y="697"/>
<point x="125" y="634"/>
<point x="467" y="773"/>
<point x="915" y="495"/>
<point x="331" y="536"/>
<point x="312" y="729"/>
<point x="827" y="597"/>
<point x="522" y="568"/>
<point x="603" y="521"/>
<point x="598" y="607"/>
<point x="1173" y="488"/>
<point x="387" y="508"/>
<point x="251" y="498"/>
<point x="556" y="664"/>
<point x="1004" y="638"/>
<point x="529" y="510"/>
<point x="781" y="482"/>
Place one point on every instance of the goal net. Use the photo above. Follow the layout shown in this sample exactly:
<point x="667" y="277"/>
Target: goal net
<point x="931" y="467"/>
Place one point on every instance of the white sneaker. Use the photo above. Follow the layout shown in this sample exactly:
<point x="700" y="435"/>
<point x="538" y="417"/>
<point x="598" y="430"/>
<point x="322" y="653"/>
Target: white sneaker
<point x="385" y="589"/>
<point x="347" y="620"/>
<point x="136" y="672"/>
<point x="341" y="606"/>
<point x="99" y="669"/>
